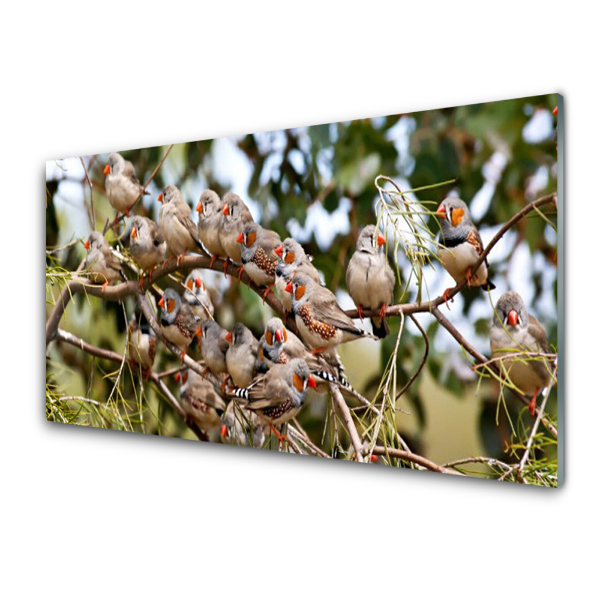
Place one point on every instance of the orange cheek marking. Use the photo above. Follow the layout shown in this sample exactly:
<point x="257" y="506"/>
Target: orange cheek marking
<point x="269" y="338"/>
<point x="190" y="284"/>
<point x="284" y="334"/>
<point x="457" y="216"/>
<point x="170" y="306"/>
<point x="250" y="239"/>
<point x="300" y="291"/>
<point x="290" y="257"/>
<point x="298" y="384"/>
<point x="261" y="353"/>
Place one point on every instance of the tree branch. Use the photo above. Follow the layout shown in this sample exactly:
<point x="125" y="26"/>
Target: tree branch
<point x="413" y="458"/>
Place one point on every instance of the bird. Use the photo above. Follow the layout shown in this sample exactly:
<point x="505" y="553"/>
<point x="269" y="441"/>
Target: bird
<point x="202" y="405"/>
<point x="214" y="348"/>
<point x="278" y="345"/>
<point x="258" y="254"/>
<point x="177" y="321"/>
<point x="321" y="322"/>
<point x="147" y="245"/>
<point x="240" y="358"/>
<point x="514" y="335"/>
<point x="210" y="219"/>
<point x="141" y="346"/>
<point x="235" y="216"/>
<point x="278" y="396"/>
<point x="461" y="245"/>
<point x="197" y="296"/>
<point x="100" y="262"/>
<point x="241" y="427"/>
<point x="292" y="258"/>
<point x="370" y="278"/>
<point x="176" y="224"/>
<point x="121" y="184"/>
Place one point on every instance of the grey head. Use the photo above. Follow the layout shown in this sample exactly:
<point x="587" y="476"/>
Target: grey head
<point x="292" y="256"/>
<point x="171" y="194"/>
<point x="299" y="379"/>
<point x="511" y="312"/>
<point x="96" y="241"/>
<point x="455" y="218"/>
<point x="116" y="163"/>
<point x="241" y="335"/>
<point x="171" y="305"/>
<point x="370" y="240"/>
<point x="249" y="234"/>
<point x="275" y="333"/>
<point x="234" y="208"/>
<point x="210" y="203"/>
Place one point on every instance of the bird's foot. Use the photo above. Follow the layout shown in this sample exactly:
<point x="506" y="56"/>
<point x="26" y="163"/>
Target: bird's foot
<point x="147" y="376"/>
<point x="180" y="257"/>
<point x="225" y="265"/>
<point x="532" y="405"/>
<point x="104" y="286"/>
<point x="224" y="384"/>
<point x="240" y="271"/>
<point x="205" y="372"/>
<point x="183" y="355"/>
<point x="318" y="350"/>
<point x="446" y="298"/>
<point x="115" y="222"/>
<point x="382" y="311"/>
<point x="280" y="436"/>
<point x="267" y="291"/>
<point x="212" y="260"/>
<point x="469" y="277"/>
<point x="359" y="310"/>
<point x="142" y="282"/>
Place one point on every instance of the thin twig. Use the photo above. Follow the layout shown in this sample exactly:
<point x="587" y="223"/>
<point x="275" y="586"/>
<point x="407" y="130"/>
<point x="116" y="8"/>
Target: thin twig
<point x="92" y="213"/>
<point x="413" y="458"/>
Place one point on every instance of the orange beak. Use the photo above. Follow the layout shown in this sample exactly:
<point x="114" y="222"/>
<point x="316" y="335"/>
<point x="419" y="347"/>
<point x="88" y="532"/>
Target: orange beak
<point x="133" y="232"/>
<point x="225" y="209"/>
<point x="160" y="197"/>
<point x="441" y="211"/>
<point x="223" y="431"/>
<point x="288" y="288"/>
<point x="278" y="335"/>
<point x="380" y="240"/>
<point x="198" y="332"/>
<point x="513" y="318"/>
<point x="178" y="378"/>
<point x="198" y="282"/>
<point x="240" y="238"/>
<point x="229" y="338"/>
<point x="161" y="302"/>
<point x="555" y="111"/>
<point x="87" y="244"/>
<point x="311" y="382"/>
<point x="199" y="208"/>
<point x="106" y="169"/>
<point x="279" y="251"/>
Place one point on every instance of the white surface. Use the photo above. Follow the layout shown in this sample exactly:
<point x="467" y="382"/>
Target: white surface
<point x="89" y="514"/>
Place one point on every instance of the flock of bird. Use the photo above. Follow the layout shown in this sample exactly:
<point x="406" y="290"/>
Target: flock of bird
<point x="263" y="383"/>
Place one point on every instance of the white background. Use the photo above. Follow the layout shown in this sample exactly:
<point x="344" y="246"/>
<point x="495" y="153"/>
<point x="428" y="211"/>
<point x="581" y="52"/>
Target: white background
<point x="92" y="514"/>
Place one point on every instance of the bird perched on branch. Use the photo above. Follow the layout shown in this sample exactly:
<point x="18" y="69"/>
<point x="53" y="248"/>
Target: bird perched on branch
<point x="279" y="395"/>
<point x="214" y="347"/>
<point x="177" y="321"/>
<point x="258" y="254"/>
<point x="518" y="338"/>
<point x="370" y="278"/>
<point x="122" y="186"/>
<point x="141" y="346"/>
<point x="461" y="245"/>
<point x="146" y="244"/>
<point x="100" y="262"/>
<point x="235" y="215"/>
<point x="241" y="427"/>
<point x="292" y="259"/>
<point x="210" y="221"/>
<point x="176" y="224"/>
<point x="197" y="296"/>
<point x="202" y="405"/>
<point x="320" y="320"/>
<point x="240" y="357"/>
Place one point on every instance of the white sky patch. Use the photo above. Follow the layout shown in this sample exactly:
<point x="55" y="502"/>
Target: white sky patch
<point x="539" y="128"/>
<point x="519" y="273"/>
<point x="323" y="161"/>
<point x="323" y="225"/>
<point x="296" y="159"/>
<point x="537" y="182"/>
<point x="399" y="134"/>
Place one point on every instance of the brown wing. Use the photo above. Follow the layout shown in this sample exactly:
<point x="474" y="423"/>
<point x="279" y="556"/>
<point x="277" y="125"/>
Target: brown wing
<point x="110" y="260"/>
<point x="537" y="331"/>
<point x="474" y="239"/>
<point x="325" y="308"/>
<point x="155" y="232"/>
<point x="184" y="217"/>
<point x="271" y="391"/>
<point x="269" y="241"/>
<point x="129" y="171"/>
